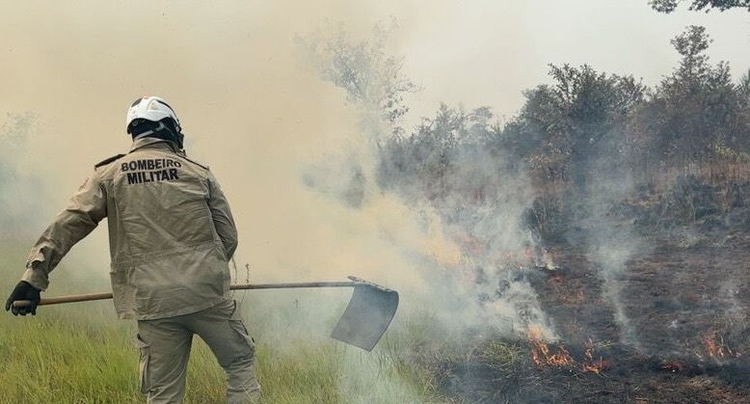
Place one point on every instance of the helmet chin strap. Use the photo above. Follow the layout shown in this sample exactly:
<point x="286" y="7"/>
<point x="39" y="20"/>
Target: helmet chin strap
<point x="175" y="137"/>
<point x="150" y="131"/>
<point x="180" y="139"/>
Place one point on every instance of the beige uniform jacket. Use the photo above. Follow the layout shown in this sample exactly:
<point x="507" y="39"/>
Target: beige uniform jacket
<point x="171" y="232"/>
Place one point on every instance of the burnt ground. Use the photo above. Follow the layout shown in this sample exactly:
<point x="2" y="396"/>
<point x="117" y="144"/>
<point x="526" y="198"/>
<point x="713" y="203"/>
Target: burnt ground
<point x="687" y="336"/>
<point x="690" y="342"/>
<point x="684" y="336"/>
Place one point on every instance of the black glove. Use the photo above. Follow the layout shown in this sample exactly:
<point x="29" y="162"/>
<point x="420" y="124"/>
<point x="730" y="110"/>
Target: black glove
<point x="23" y="291"/>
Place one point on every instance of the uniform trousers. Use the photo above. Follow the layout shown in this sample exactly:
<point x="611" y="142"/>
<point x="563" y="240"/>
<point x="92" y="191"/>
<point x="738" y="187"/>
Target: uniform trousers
<point x="165" y="345"/>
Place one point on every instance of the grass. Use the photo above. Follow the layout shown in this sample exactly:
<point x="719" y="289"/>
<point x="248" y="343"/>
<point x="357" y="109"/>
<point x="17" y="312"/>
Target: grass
<point x="79" y="353"/>
<point x="56" y="357"/>
<point x="49" y="358"/>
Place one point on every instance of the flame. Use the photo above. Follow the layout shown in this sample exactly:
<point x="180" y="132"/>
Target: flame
<point x="541" y="354"/>
<point x="714" y="344"/>
<point x="593" y="365"/>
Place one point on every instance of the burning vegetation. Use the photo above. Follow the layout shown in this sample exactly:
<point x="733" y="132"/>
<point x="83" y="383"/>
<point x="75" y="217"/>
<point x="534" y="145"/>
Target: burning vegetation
<point x="603" y="230"/>
<point x="543" y="355"/>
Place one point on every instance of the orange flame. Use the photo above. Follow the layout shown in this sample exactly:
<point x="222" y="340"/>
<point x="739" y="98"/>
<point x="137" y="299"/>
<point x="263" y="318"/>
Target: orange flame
<point x="541" y="354"/>
<point x="714" y="344"/>
<point x="593" y="365"/>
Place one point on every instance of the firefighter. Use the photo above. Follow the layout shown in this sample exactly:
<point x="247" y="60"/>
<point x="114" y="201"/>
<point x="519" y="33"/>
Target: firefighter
<point x="171" y="236"/>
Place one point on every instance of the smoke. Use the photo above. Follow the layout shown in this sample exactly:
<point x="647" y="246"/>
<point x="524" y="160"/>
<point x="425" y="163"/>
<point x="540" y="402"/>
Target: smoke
<point x="249" y="110"/>
<point x="615" y="246"/>
<point x="296" y="156"/>
<point x="455" y="250"/>
<point x="252" y="108"/>
<point x="17" y="201"/>
<point x="25" y="195"/>
<point x="609" y="236"/>
<point x="270" y="130"/>
<point x="501" y="249"/>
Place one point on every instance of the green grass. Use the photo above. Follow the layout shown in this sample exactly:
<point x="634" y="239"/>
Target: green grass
<point x="58" y="357"/>
<point x="79" y="353"/>
<point x="51" y="359"/>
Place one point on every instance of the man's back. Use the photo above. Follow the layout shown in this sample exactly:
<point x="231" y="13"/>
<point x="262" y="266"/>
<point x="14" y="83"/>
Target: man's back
<point x="171" y="232"/>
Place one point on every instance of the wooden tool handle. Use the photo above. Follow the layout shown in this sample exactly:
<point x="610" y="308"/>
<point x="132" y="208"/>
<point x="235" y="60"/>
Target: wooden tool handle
<point x="66" y="299"/>
<point x="104" y="296"/>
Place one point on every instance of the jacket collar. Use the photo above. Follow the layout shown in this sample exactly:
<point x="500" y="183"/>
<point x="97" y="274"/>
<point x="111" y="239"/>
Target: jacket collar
<point x="149" y="141"/>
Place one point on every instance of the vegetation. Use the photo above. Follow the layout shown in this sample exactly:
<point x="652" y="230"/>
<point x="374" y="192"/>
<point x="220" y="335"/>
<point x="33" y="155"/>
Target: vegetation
<point x="584" y="129"/>
<point x="79" y="353"/>
<point x="668" y="6"/>
<point x="697" y="115"/>
<point x="76" y="354"/>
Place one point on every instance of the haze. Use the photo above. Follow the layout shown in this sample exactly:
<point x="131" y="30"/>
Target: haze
<point x="254" y="112"/>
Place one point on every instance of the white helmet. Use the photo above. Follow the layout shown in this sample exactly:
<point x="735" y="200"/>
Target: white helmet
<point x="152" y="109"/>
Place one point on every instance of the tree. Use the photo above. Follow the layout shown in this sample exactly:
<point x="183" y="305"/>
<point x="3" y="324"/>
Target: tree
<point x="370" y="76"/>
<point x="579" y="119"/>
<point x="668" y="6"/>
<point x="743" y="89"/>
<point x="693" y="113"/>
<point x="441" y="157"/>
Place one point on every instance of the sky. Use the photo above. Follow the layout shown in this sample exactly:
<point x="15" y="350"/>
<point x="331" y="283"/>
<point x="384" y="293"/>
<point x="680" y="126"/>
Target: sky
<point x="488" y="52"/>
<point x="261" y="118"/>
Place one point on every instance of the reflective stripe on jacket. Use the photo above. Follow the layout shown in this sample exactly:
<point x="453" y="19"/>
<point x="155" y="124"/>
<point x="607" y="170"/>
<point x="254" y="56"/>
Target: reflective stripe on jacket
<point x="171" y="232"/>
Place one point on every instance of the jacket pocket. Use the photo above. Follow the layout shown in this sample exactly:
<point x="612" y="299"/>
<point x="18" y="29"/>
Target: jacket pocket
<point x="144" y="363"/>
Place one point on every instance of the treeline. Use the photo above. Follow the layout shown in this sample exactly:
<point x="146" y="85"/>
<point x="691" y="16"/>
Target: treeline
<point x="584" y="127"/>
